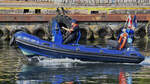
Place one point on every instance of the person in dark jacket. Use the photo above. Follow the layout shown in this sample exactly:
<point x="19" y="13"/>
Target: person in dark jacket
<point x="73" y="33"/>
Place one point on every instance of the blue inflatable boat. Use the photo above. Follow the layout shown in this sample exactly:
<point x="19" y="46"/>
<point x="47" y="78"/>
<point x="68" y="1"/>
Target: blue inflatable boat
<point x="32" y="46"/>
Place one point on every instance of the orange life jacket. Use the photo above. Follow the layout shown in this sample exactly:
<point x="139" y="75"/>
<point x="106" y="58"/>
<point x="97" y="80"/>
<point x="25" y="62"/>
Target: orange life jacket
<point x="73" y="26"/>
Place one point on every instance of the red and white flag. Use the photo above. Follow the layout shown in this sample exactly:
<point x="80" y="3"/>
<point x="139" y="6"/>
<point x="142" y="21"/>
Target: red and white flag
<point x="129" y="22"/>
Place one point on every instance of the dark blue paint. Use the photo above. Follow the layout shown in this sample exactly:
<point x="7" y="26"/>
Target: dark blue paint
<point x="56" y="49"/>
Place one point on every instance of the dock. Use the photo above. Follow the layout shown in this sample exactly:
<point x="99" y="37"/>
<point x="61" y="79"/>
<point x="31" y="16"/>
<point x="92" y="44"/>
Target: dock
<point x="34" y="16"/>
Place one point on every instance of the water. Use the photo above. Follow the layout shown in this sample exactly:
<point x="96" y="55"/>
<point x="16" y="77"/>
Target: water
<point x="15" y="69"/>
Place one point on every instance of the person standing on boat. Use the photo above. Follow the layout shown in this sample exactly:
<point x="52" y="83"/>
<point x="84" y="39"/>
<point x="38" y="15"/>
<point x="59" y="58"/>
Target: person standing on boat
<point x="123" y="39"/>
<point x="73" y="32"/>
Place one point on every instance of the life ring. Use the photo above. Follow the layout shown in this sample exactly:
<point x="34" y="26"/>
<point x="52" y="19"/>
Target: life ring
<point x="40" y="32"/>
<point x="4" y="33"/>
<point x="122" y="41"/>
<point x="17" y="29"/>
<point x="123" y="44"/>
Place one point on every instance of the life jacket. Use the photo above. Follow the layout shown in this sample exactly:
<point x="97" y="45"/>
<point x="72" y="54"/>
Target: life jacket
<point x="122" y="40"/>
<point x="74" y="27"/>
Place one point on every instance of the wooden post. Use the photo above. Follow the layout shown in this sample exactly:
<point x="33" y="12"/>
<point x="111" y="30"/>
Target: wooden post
<point x="146" y="36"/>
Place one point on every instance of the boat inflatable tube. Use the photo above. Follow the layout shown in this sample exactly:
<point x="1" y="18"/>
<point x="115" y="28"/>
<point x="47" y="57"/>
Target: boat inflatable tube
<point x="4" y="33"/>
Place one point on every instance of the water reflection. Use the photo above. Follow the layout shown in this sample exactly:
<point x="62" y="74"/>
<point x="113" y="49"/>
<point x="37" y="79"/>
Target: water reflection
<point x="76" y="73"/>
<point x="10" y="62"/>
<point x="66" y="71"/>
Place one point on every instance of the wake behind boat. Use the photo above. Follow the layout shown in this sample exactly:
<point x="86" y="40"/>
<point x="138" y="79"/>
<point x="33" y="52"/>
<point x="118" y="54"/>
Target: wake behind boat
<point x="32" y="46"/>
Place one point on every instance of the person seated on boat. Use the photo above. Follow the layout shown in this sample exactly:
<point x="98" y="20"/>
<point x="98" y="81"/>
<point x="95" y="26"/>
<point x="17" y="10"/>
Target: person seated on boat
<point x="73" y="32"/>
<point x="123" y="39"/>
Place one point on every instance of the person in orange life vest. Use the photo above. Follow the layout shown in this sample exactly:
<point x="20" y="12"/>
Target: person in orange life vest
<point x="73" y="32"/>
<point x="123" y="39"/>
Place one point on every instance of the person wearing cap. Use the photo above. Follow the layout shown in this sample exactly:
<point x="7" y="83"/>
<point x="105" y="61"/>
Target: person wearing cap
<point x="123" y="39"/>
<point x="73" y="32"/>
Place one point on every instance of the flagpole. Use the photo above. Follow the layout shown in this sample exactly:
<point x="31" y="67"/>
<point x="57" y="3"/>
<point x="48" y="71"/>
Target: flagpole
<point x="125" y="22"/>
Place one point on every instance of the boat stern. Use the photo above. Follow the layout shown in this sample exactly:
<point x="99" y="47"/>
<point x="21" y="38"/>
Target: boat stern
<point x="141" y="57"/>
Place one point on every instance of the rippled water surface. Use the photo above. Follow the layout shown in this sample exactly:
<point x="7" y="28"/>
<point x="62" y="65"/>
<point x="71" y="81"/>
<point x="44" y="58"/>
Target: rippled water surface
<point x="15" y="69"/>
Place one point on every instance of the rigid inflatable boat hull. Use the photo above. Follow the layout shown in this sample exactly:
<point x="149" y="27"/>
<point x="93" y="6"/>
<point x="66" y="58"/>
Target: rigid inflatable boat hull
<point x="52" y="52"/>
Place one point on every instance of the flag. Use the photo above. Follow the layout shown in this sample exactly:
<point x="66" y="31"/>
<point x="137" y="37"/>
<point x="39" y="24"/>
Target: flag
<point x="135" y="22"/>
<point x="129" y="22"/>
